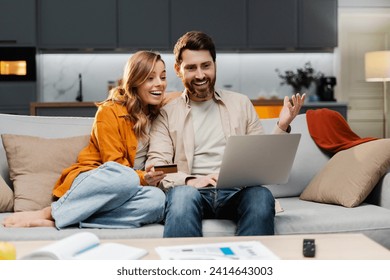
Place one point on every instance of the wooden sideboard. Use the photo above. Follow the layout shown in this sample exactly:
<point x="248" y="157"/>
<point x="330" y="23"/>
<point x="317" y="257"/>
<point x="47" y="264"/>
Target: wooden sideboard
<point x="68" y="109"/>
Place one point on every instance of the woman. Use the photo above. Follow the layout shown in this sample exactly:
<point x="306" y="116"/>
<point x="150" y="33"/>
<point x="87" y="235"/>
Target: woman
<point x="107" y="187"/>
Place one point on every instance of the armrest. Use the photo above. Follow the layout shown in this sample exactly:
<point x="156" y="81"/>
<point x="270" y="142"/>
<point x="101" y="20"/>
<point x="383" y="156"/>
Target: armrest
<point x="380" y="195"/>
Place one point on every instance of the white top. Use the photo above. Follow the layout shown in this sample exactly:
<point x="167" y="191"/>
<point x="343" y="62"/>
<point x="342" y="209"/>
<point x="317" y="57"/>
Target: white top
<point x="142" y="150"/>
<point x="209" y="137"/>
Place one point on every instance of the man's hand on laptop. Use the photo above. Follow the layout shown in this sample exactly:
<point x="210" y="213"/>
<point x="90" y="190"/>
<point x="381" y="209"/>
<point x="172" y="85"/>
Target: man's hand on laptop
<point x="203" y="181"/>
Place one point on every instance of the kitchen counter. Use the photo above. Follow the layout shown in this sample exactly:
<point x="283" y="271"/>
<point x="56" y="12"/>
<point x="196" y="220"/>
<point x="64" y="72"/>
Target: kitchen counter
<point x="341" y="107"/>
<point x="270" y="108"/>
<point x="266" y="108"/>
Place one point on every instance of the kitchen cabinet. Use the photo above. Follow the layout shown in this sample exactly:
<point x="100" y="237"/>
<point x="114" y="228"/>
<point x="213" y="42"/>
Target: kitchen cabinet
<point x="292" y="24"/>
<point x="17" y="23"/>
<point x="243" y="25"/>
<point x="143" y="24"/>
<point x="272" y="24"/>
<point x="317" y="24"/>
<point x="77" y="24"/>
<point x="223" y="20"/>
<point x="104" y="24"/>
<point x="15" y="97"/>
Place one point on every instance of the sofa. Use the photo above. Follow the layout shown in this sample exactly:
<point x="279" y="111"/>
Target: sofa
<point x="348" y="192"/>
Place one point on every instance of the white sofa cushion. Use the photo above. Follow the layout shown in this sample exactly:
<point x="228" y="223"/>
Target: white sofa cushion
<point x="303" y="217"/>
<point x="303" y="170"/>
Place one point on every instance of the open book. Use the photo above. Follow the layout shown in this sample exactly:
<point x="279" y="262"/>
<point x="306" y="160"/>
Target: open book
<point x="85" y="246"/>
<point x="244" y="250"/>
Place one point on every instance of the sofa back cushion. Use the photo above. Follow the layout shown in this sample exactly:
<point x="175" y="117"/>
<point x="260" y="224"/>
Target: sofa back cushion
<point x="309" y="159"/>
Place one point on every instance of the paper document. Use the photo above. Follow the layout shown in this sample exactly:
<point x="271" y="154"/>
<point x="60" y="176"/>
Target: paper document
<point x="246" y="250"/>
<point x="85" y="246"/>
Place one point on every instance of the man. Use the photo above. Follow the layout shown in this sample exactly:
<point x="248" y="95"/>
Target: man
<point x="192" y="131"/>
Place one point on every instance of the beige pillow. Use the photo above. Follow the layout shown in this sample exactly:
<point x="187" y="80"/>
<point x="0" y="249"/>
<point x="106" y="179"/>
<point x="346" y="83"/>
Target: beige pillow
<point x="6" y="197"/>
<point x="350" y="175"/>
<point x="35" y="164"/>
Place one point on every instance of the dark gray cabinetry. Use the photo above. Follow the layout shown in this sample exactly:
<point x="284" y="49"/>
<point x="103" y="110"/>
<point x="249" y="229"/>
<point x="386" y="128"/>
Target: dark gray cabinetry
<point x="17" y="23"/>
<point x="15" y="97"/>
<point x="143" y="24"/>
<point x="292" y="24"/>
<point x="263" y="25"/>
<point x="272" y="24"/>
<point x="224" y="20"/>
<point x="340" y="107"/>
<point x="317" y="24"/>
<point x="77" y="24"/>
<point x="17" y="29"/>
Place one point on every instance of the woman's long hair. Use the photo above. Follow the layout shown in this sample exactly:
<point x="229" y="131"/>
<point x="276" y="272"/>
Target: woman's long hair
<point x="138" y="68"/>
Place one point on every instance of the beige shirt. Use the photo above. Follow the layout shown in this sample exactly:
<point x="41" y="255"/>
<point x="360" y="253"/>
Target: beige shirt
<point x="210" y="141"/>
<point x="172" y="138"/>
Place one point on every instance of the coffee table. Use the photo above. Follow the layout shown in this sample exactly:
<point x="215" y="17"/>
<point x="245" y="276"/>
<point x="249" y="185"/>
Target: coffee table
<point x="288" y="247"/>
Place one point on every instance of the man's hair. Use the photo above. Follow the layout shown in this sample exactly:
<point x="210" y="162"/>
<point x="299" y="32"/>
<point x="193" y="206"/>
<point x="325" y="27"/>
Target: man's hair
<point x="195" y="41"/>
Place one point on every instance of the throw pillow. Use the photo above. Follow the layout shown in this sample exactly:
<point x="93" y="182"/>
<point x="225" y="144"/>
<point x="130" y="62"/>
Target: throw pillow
<point x="350" y="175"/>
<point x="35" y="164"/>
<point x="6" y="197"/>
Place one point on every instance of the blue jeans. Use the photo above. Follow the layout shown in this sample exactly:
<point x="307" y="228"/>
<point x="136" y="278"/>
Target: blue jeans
<point x="109" y="196"/>
<point x="251" y="208"/>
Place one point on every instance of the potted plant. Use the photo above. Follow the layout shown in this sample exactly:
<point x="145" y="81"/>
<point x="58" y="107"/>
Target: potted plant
<point x="302" y="79"/>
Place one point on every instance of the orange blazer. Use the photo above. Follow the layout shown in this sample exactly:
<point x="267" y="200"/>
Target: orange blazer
<point x="112" y="139"/>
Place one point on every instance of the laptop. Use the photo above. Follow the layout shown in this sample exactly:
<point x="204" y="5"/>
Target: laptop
<point x="251" y="160"/>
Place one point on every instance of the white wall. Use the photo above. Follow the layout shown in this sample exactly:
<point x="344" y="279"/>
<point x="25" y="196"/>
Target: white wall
<point x="362" y="30"/>
<point x="363" y="3"/>
<point x="252" y="74"/>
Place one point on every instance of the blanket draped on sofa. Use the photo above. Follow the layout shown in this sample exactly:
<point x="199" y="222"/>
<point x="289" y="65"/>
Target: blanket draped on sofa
<point x="331" y="132"/>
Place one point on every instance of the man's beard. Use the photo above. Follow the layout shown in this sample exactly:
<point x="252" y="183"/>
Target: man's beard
<point x="200" y="93"/>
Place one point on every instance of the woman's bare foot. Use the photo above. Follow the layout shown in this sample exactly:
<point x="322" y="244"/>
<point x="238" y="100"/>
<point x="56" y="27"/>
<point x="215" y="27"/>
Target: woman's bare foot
<point x="39" y="218"/>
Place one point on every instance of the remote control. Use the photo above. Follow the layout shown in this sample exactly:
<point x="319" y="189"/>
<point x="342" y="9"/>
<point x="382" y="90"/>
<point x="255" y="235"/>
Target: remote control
<point x="309" y="248"/>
